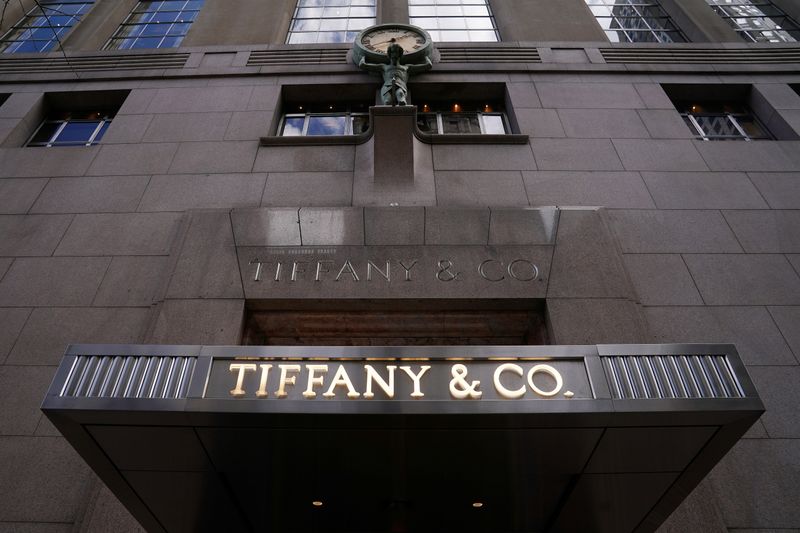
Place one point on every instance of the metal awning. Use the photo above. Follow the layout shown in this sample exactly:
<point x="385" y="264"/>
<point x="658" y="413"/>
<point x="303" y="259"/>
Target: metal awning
<point x="371" y="439"/>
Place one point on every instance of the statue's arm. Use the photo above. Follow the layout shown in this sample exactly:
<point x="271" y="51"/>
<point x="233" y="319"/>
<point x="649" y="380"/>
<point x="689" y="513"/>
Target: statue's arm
<point x="374" y="67"/>
<point x="427" y="65"/>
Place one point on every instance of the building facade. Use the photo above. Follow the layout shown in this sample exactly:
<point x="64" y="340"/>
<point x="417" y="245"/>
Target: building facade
<point x="631" y="168"/>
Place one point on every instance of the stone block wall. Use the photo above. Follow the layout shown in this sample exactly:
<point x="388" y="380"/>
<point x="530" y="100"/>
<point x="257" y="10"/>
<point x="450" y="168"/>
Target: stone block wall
<point x="708" y="233"/>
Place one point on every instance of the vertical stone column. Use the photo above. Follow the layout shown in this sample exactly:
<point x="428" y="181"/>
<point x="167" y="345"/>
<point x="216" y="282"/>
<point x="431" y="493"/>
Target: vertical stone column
<point x="393" y="136"/>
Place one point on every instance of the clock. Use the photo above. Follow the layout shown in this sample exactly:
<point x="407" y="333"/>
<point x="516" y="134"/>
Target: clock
<point x="372" y="43"/>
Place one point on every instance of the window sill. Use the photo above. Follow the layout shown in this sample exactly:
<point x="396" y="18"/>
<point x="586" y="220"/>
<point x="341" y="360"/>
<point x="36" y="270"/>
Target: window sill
<point x="468" y="138"/>
<point x="316" y="140"/>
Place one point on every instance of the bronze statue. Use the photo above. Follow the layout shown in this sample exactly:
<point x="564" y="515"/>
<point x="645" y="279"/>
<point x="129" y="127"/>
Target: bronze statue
<point x="395" y="74"/>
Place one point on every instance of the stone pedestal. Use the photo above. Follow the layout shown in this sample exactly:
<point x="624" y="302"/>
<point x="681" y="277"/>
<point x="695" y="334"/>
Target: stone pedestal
<point x="393" y="137"/>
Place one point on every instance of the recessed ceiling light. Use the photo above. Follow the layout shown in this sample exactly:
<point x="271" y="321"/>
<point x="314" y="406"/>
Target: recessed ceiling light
<point x="316" y="503"/>
<point x="477" y="505"/>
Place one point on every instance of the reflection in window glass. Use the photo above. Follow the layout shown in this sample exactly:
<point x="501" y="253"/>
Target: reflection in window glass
<point x="156" y="24"/>
<point x="757" y="20"/>
<point x="459" y="119"/>
<point x="72" y="129"/>
<point x="454" y="20"/>
<point x="719" y="122"/>
<point x="635" y="21"/>
<point x="43" y="27"/>
<point x="330" y="21"/>
<point x="325" y="119"/>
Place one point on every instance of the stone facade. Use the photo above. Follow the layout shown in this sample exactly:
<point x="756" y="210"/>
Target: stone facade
<point x="659" y="237"/>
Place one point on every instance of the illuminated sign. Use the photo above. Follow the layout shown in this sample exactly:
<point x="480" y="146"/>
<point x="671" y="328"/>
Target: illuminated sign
<point x="398" y="379"/>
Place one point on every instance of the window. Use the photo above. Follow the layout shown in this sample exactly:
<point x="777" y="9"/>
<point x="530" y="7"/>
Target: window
<point x="325" y="119"/>
<point x="758" y="21"/>
<point x="454" y="20"/>
<point x="635" y="21"/>
<point x="462" y="118"/>
<point x="330" y="21"/>
<point x="725" y="111"/>
<point x="72" y="129"/>
<point x="155" y="25"/>
<point x="43" y="27"/>
<point x="721" y="122"/>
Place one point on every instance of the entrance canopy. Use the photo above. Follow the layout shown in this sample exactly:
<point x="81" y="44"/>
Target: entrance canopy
<point x="373" y="439"/>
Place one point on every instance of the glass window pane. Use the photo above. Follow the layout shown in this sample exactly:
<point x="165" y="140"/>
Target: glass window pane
<point x="427" y="123"/>
<point x="161" y="24"/>
<point x="76" y="133"/>
<point x="460" y="123"/>
<point x="456" y="17"/>
<point x="647" y="20"/>
<point x="53" y="23"/>
<point x="326" y="125"/>
<point x="493" y="125"/>
<point x="45" y="133"/>
<point x="293" y="126"/>
<point x="360" y="124"/>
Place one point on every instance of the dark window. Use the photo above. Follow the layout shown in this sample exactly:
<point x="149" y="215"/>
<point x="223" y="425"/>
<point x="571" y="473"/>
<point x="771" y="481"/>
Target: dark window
<point x="72" y="129"/>
<point x="757" y="20"/>
<point x="722" y="121"/>
<point x="462" y="118"/>
<point x="154" y="24"/>
<point x="719" y="112"/>
<point x="74" y="118"/>
<point x="44" y="26"/>
<point x="635" y="21"/>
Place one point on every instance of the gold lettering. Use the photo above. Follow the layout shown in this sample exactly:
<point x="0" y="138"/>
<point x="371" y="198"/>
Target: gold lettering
<point x="347" y="267"/>
<point x="286" y="379"/>
<point x="241" y="368"/>
<point x="371" y="265"/>
<point x="262" y="384"/>
<point x="341" y="379"/>
<point x="313" y="379"/>
<point x="372" y="374"/>
<point x="504" y="392"/>
<point x="416" y="378"/>
<point x="547" y="369"/>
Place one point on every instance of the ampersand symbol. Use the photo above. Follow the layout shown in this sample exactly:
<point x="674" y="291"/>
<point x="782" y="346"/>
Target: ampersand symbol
<point x="459" y="388"/>
<point x="444" y="273"/>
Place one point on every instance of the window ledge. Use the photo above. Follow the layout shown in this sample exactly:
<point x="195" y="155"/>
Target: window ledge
<point x="466" y="138"/>
<point x="428" y="138"/>
<point x="316" y="140"/>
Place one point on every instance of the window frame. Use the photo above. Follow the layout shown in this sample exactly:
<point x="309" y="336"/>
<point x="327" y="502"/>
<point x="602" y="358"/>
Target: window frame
<point x="117" y="38"/>
<point x="481" y="123"/>
<point x="348" y="114"/>
<point x="691" y="118"/>
<point x="638" y="7"/>
<point x="369" y="21"/>
<point x="440" y="32"/>
<point x="97" y="134"/>
<point x="747" y="33"/>
<point x="25" y="24"/>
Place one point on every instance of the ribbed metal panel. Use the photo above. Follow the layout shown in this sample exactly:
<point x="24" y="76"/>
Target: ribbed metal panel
<point x="704" y="56"/>
<point x="319" y="56"/>
<point x="671" y="376"/>
<point x="89" y="63"/>
<point x="489" y="55"/>
<point x="114" y="376"/>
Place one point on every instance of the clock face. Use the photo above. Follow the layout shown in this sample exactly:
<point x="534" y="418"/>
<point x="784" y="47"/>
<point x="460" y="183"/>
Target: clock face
<point x="379" y="39"/>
